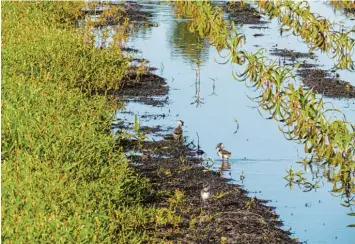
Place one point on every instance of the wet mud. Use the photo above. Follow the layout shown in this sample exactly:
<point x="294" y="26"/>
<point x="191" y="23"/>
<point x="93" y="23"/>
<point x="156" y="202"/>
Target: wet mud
<point x="290" y="54"/>
<point x="229" y="214"/>
<point x="321" y="81"/>
<point x="324" y="83"/>
<point x="243" y="13"/>
<point x="134" y="11"/>
<point x="147" y="88"/>
<point x="131" y="10"/>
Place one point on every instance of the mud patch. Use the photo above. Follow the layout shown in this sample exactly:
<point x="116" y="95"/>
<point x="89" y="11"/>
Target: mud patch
<point x="146" y="84"/>
<point x="314" y="78"/>
<point x="134" y="12"/>
<point x="242" y="13"/>
<point x="259" y="27"/>
<point x="130" y="49"/>
<point x="153" y="116"/>
<point x="228" y="214"/>
<point x="157" y="130"/>
<point x="147" y="88"/>
<point x="290" y="54"/>
<point x="322" y="82"/>
<point x="131" y="10"/>
<point x="258" y="35"/>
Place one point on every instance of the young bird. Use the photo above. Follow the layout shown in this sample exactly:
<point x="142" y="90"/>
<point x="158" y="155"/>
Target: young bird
<point x="224" y="154"/>
<point x="205" y="193"/>
<point x="178" y="130"/>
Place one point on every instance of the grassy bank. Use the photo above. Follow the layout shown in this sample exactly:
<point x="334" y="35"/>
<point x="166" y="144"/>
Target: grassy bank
<point x="61" y="179"/>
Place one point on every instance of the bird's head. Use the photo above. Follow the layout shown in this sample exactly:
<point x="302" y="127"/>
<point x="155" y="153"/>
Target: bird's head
<point x="180" y="123"/>
<point x="220" y="145"/>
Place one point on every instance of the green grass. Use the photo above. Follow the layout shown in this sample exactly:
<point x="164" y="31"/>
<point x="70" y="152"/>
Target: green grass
<point x="62" y="181"/>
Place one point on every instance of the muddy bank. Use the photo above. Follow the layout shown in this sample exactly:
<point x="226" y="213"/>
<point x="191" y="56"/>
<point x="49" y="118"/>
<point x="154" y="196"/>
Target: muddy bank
<point x="324" y="83"/>
<point x="131" y="10"/>
<point x="243" y="13"/>
<point x="146" y="88"/>
<point x="321" y="81"/>
<point x="290" y="54"/>
<point x="229" y="215"/>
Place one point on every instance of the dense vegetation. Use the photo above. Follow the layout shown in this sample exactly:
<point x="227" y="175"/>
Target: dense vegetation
<point x="62" y="180"/>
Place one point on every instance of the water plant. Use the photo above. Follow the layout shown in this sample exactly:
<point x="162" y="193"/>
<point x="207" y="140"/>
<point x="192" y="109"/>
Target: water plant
<point x="319" y="32"/>
<point x="347" y="6"/>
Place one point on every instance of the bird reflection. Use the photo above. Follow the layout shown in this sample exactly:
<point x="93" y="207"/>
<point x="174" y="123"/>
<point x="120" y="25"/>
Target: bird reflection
<point x="225" y="166"/>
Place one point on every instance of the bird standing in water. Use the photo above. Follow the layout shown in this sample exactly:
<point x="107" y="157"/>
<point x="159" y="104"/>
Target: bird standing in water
<point x="178" y="130"/>
<point x="224" y="154"/>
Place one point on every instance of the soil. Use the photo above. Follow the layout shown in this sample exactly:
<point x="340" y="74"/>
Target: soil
<point x="154" y="130"/>
<point x="243" y="13"/>
<point x="259" y="27"/>
<point x="132" y="10"/>
<point x="130" y="50"/>
<point x="324" y="83"/>
<point x="290" y="54"/>
<point x="258" y="35"/>
<point x="319" y="80"/>
<point x="147" y="88"/>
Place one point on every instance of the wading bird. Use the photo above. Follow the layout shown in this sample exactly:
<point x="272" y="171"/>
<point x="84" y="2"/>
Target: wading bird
<point x="178" y="130"/>
<point x="224" y="154"/>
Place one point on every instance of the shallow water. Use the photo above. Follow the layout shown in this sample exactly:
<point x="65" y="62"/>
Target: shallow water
<point x="259" y="149"/>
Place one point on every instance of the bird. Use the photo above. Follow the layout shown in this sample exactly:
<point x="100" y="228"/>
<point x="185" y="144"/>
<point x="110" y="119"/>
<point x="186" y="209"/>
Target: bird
<point x="178" y="130"/>
<point x="205" y="192"/>
<point x="224" y="154"/>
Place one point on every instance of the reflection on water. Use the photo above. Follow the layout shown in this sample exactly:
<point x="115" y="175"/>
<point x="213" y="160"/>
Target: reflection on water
<point x="225" y="166"/>
<point x="186" y="44"/>
<point x="198" y="100"/>
<point x="213" y="87"/>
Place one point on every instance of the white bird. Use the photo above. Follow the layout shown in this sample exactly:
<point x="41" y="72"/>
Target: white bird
<point x="205" y="193"/>
<point x="178" y="130"/>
